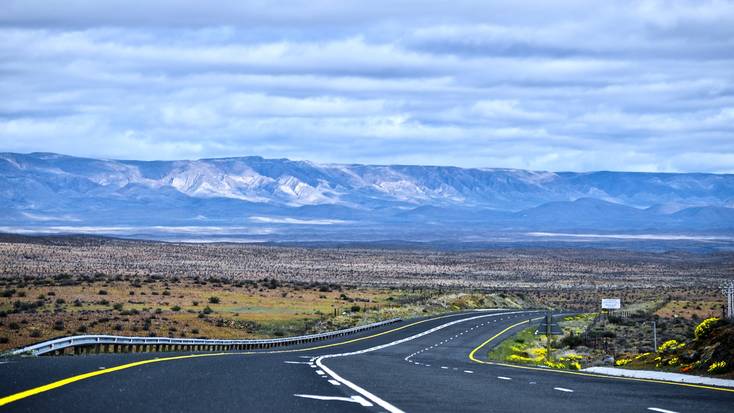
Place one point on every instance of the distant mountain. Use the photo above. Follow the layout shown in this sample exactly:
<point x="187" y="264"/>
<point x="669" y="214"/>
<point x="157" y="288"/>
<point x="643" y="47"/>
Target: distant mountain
<point x="295" y="197"/>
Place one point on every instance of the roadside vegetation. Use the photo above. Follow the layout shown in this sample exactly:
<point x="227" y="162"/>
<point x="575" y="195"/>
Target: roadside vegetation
<point x="37" y="309"/>
<point x="709" y="352"/>
<point x="687" y="343"/>
<point x="527" y="347"/>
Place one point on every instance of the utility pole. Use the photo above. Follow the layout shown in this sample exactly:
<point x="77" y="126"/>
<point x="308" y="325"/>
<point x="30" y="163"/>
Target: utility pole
<point x="548" y="334"/>
<point x="728" y="290"/>
<point x="654" y="336"/>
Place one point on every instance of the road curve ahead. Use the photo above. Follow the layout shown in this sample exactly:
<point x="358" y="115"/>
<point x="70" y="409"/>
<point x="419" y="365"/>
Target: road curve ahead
<point x="431" y="365"/>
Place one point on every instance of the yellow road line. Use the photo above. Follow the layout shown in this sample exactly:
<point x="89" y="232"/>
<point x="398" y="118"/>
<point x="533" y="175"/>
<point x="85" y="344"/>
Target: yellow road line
<point x="472" y="357"/>
<point x="63" y="382"/>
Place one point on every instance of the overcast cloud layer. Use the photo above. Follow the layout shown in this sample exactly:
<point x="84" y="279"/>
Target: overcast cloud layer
<point x="634" y="86"/>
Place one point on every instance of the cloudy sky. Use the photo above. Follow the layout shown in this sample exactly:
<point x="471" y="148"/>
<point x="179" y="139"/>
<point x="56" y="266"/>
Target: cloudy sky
<point x="572" y="85"/>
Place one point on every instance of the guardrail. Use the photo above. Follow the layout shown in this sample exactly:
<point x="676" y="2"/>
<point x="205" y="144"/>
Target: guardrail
<point x="108" y="344"/>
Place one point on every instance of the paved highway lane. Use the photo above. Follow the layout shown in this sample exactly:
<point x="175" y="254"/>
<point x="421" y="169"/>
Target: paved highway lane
<point x="262" y="381"/>
<point x="436" y="374"/>
<point x="413" y="366"/>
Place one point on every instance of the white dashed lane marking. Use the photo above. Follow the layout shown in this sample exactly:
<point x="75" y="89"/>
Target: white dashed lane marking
<point x="657" y="409"/>
<point x="354" y="399"/>
<point x="563" y="389"/>
<point x="503" y="378"/>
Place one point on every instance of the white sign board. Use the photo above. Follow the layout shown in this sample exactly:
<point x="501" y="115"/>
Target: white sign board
<point x="611" y="303"/>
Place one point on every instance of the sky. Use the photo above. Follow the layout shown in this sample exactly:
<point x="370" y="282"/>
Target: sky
<point x="561" y="86"/>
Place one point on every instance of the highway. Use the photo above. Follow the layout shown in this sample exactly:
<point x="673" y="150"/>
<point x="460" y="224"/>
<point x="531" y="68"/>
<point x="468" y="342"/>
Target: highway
<point x="430" y="365"/>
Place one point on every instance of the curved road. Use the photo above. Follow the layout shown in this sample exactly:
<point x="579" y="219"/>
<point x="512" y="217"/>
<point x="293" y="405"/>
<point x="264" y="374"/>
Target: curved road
<point x="430" y="365"/>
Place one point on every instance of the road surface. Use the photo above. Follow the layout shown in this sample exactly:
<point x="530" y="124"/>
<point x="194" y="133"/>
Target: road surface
<point x="431" y="365"/>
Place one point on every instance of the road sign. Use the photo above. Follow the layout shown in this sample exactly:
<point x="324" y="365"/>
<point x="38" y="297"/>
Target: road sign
<point x="548" y="325"/>
<point x="611" y="303"/>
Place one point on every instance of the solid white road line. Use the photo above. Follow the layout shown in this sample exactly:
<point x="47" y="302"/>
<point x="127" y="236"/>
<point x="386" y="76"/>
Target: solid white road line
<point x="354" y="399"/>
<point x="657" y="409"/>
<point x="382" y="403"/>
<point x="563" y="389"/>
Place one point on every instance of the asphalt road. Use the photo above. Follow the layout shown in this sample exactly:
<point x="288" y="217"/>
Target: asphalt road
<point x="414" y="366"/>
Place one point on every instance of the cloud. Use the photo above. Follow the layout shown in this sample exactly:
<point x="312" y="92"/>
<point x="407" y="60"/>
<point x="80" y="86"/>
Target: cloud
<point x="524" y="85"/>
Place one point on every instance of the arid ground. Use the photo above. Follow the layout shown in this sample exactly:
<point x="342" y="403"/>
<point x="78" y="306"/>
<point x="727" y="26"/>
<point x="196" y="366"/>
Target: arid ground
<point x="58" y="286"/>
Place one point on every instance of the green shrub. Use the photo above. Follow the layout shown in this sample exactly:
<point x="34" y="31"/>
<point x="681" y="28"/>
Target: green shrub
<point x="214" y="300"/>
<point x="572" y="340"/>
<point x="59" y="325"/>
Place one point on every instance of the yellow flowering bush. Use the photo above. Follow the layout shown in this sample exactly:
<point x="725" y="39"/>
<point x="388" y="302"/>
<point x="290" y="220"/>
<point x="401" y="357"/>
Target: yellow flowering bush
<point x="705" y="327"/>
<point x="670" y="346"/>
<point x="519" y="359"/>
<point x="718" y="367"/>
<point x="538" y="352"/>
<point x="554" y="364"/>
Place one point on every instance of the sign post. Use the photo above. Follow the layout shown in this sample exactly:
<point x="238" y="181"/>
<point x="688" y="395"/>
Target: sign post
<point x="550" y="329"/>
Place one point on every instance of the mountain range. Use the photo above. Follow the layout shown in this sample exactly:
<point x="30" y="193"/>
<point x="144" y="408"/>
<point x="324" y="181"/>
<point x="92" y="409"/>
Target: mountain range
<point x="271" y="198"/>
